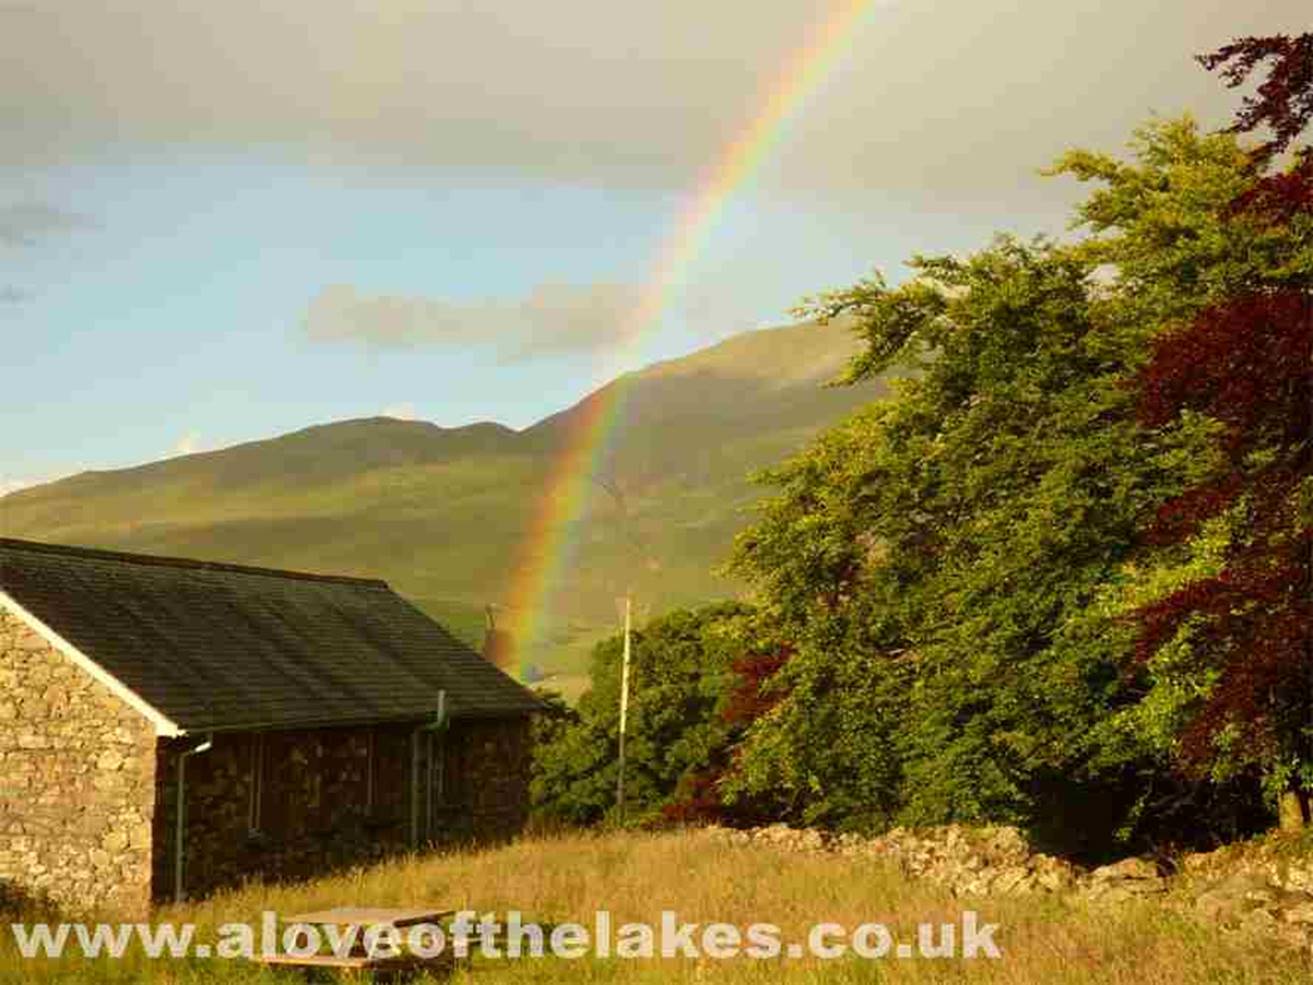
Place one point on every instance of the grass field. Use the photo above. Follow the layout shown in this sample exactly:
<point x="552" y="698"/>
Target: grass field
<point x="636" y="876"/>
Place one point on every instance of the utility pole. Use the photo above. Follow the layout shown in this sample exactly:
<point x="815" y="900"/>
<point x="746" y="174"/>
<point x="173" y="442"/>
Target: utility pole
<point x="624" y="707"/>
<point x="616" y="492"/>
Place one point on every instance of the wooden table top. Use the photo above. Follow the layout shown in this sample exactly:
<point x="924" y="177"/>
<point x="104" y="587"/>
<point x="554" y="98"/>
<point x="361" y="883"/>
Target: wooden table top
<point x="366" y="916"/>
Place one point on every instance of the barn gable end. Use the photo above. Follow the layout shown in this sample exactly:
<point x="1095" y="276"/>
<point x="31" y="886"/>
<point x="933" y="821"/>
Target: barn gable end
<point x="77" y="781"/>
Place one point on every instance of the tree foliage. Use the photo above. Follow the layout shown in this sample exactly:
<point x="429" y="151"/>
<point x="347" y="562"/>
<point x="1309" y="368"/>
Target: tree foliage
<point x="932" y="557"/>
<point x="687" y="681"/>
<point x="962" y="566"/>
<point x="1062" y="576"/>
<point x="1244" y="359"/>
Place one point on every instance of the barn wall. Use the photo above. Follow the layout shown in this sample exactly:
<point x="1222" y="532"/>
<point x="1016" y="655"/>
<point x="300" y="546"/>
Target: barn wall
<point x="77" y="777"/>
<point x="485" y="790"/>
<point x="294" y="804"/>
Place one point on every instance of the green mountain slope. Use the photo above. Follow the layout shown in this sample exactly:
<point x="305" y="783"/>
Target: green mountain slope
<point x="440" y="513"/>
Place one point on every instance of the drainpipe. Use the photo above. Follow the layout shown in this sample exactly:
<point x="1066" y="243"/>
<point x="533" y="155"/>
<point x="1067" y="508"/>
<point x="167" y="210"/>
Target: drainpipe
<point x="180" y="811"/>
<point x="439" y="722"/>
<point x="440" y="766"/>
<point x="442" y="746"/>
<point x="414" y="788"/>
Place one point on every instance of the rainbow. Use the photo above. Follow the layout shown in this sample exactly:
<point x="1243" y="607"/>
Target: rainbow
<point x="549" y="544"/>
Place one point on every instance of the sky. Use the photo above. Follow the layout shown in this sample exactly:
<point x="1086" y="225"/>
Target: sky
<point x="221" y="222"/>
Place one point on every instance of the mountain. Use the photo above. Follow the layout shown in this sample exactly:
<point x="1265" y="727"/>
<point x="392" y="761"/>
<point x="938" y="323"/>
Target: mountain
<point x="440" y="512"/>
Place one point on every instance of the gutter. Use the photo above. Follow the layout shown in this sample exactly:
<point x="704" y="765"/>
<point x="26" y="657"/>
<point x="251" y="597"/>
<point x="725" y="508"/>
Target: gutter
<point x="260" y="725"/>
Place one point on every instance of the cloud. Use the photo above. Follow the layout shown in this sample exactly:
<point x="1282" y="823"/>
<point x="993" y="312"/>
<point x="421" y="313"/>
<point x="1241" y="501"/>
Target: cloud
<point x="552" y="319"/>
<point x="400" y="412"/>
<point x="929" y="94"/>
<point x="22" y="226"/>
<point x="8" y="485"/>
<point x="23" y="223"/>
<point x="188" y="444"/>
<point x="13" y="483"/>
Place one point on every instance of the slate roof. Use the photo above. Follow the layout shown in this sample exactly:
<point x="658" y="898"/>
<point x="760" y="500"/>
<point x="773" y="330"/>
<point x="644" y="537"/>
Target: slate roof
<point x="224" y="647"/>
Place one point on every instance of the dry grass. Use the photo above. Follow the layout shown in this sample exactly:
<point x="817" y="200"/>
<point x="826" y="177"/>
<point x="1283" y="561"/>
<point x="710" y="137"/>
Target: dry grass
<point x="636" y="876"/>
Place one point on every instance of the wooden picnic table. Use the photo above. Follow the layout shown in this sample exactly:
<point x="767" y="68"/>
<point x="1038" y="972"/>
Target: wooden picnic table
<point x="366" y="918"/>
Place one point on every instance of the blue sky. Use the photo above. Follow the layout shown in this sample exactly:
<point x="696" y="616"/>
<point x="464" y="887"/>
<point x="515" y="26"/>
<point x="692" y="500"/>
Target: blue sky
<point x="173" y="319"/>
<point x="178" y="185"/>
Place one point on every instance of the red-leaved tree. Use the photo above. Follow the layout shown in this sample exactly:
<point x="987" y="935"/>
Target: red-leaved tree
<point x="1247" y="362"/>
<point x="747" y="698"/>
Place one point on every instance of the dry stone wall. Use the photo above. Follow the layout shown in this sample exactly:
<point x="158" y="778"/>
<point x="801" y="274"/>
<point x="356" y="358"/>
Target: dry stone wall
<point x="77" y="783"/>
<point x="1263" y="887"/>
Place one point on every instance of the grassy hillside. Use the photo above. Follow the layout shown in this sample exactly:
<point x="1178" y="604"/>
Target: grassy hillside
<point x="1044" y="941"/>
<point x="440" y="512"/>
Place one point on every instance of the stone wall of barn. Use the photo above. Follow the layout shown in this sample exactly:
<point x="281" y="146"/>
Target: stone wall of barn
<point x="482" y="786"/>
<point x="77" y="779"/>
<point x="287" y="805"/>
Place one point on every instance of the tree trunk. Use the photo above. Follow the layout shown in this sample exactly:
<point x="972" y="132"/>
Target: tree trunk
<point x="1292" y="811"/>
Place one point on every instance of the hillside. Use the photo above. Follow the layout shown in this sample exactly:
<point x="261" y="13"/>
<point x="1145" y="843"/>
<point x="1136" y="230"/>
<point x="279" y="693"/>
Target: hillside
<point x="439" y="512"/>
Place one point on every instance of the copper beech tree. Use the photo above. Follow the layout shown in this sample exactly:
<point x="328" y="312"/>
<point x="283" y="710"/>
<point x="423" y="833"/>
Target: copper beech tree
<point x="1245" y="360"/>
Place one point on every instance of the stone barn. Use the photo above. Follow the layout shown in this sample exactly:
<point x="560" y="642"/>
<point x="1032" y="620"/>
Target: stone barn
<point x="169" y="727"/>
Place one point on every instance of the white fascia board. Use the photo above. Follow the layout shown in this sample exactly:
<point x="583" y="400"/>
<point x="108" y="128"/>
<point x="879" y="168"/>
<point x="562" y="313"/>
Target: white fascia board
<point x="164" y="726"/>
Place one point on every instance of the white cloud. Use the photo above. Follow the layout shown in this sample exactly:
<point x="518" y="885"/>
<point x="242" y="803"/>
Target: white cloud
<point x="401" y="412"/>
<point x="8" y="485"/>
<point x="13" y="483"/>
<point x="551" y="319"/>
<point x="188" y="444"/>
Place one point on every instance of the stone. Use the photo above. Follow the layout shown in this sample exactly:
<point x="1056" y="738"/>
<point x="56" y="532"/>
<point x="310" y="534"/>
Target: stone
<point x="1011" y="879"/>
<point x="1265" y="896"/>
<point x="1259" y="921"/>
<point x="110" y="760"/>
<point x="1008" y="841"/>
<point x="1299" y="879"/>
<point x="1299" y="913"/>
<point x="1298" y="936"/>
<point x="1127" y="869"/>
<point x="1056" y="874"/>
<point x="1218" y="907"/>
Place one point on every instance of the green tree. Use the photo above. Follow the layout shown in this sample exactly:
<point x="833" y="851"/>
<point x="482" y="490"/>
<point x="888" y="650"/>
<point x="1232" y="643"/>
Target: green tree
<point x="954" y="564"/>
<point x="682" y="672"/>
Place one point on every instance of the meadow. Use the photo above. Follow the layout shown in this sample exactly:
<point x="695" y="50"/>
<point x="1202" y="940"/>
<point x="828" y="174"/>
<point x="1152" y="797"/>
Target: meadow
<point x="635" y="876"/>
